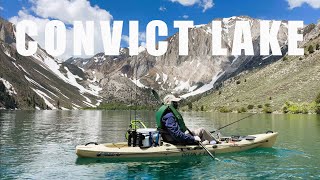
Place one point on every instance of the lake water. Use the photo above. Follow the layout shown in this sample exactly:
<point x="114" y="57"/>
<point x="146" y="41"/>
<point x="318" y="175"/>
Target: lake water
<point x="41" y="145"/>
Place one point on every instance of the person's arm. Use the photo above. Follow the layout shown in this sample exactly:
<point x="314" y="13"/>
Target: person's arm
<point x="175" y="131"/>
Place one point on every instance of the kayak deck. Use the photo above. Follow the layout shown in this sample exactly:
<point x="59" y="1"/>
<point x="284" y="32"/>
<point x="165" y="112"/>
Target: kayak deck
<point x="121" y="149"/>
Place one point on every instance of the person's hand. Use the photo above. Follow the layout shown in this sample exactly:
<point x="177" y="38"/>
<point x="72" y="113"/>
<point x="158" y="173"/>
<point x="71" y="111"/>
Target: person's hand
<point x="197" y="138"/>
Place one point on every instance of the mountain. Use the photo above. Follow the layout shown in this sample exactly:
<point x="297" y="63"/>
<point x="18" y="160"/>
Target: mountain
<point x="40" y="81"/>
<point x="186" y="76"/>
<point x="293" y="79"/>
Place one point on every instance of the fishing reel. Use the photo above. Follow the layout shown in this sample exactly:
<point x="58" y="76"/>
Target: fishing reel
<point x="134" y="138"/>
<point x="217" y="135"/>
<point x="134" y="125"/>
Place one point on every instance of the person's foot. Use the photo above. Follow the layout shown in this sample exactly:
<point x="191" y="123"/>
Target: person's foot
<point x="205" y="142"/>
<point x="213" y="142"/>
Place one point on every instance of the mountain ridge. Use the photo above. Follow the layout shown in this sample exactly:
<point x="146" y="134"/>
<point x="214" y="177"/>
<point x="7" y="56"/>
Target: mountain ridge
<point x="40" y="81"/>
<point x="114" y="79"/>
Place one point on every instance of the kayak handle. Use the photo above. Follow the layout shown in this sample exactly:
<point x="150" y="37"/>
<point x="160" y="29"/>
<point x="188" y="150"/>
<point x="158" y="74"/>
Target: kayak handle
<point x="269" y="132"/>
<point x="91" y="143"/>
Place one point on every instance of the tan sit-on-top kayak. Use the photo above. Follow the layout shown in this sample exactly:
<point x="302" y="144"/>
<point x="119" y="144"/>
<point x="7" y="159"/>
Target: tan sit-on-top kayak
<point x="226" y="145"/>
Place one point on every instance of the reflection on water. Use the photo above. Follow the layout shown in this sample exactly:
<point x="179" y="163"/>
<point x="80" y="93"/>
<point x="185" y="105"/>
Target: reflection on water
<point x="41" y="144"/>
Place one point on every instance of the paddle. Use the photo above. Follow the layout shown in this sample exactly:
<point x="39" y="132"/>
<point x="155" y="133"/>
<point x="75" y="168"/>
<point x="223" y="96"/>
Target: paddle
<point x="232" y="123"/>
<point x="209" y="153"/>
<point x="155" y="94"/>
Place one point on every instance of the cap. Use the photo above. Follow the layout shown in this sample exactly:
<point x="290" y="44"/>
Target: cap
<point x="170" y="98"/>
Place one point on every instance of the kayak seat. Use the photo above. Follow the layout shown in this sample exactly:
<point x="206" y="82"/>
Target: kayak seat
<point x="168" y="139"/>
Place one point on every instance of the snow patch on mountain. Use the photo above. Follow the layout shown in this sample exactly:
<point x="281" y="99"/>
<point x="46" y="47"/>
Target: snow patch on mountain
<point x="15" y="65"/>
<point x="138" y="83"/>
<point x="89" y="104"/>
<point x="141" y="49"/>
<point x="182" y="85"/>
<point x="59" y="92"/>
<point x="71" y="79"/>
<point x="41" y="74"/>
<point x="75" y="106"/>
<point x="164" y="77"/>
<point x="123" y="75"/>
<point x="157" y="77"/>
<point x="23" y="69"/>
<point x="9" y="87"/>
<point x="87" y="99"/>
<point x="205" y="87"/>
<point x="37" y="84"/>
<point x="7" y="52"/>
<point x="199" y="26"/>
<point x="45" y="97"/>
<point x="95" y="88"/>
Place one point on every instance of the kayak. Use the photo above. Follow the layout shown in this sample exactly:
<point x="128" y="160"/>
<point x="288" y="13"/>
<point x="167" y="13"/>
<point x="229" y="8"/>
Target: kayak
<point x="226" y="145"/>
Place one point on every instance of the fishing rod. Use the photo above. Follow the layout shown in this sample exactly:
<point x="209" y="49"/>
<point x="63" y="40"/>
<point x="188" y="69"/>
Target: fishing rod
<point x="156" y="95"/>
<point x="232" y="123"/>
<point x="135" y="109"/>
<point x="132" y="131"/>
<point x="130" y="118"/>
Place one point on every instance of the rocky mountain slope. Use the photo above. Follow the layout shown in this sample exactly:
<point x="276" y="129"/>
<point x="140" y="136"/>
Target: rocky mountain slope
<point x="40" y="81"/>
<point x="183" y="75"/>
<point x="293" y="78"/>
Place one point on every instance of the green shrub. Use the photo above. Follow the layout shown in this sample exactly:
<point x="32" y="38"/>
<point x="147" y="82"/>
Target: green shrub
<point x="225" y="110"/>
<point x="317" y="109"/>
<point x="267" y="110"/>
<point x="238" y="82"/>
<point x="242" y="110"/>
<point x="285" y="109"/>
<point x="250" y="106"/>
<point x="300" y="58"/>
<point x="285" y="58"/>
<point x="318" y="99"/>
<point x="317" y="106"/>
<point x="259" y="106"/>
<point x="310" y="49"/>
<point x="317" y="47"/>
<point x="304" y="108"/>
<point x="295" y="108"/>
<point x="202" y="108"/>
<point x="267" y="105"/>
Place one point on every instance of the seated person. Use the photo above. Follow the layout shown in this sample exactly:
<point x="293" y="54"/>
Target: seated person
<point x="172" y="127"/>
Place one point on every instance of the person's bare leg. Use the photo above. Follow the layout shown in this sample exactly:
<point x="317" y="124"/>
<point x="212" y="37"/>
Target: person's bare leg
<point x="203" y="134"/>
